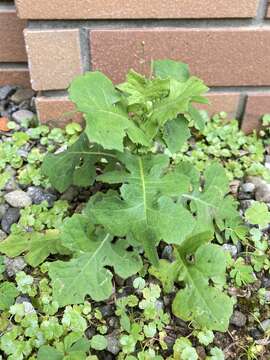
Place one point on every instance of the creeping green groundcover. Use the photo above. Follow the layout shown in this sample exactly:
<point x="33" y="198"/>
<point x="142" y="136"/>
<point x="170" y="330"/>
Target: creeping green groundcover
<point x="149" y="238"/>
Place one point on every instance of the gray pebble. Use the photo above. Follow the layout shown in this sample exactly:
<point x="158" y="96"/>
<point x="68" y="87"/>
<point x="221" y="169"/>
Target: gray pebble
<point x="107" y="310"/>
<point x="29" y="308"/>
<point x="263" y="193"/>
<point x="159" y="305"/>
<point x="265" y="325"/>
<point x="256" y="180"/>
<point x="167" y="253"/>
<point x="170" y="341"/>
<point x="232" y="249"/>
<point x="266" y="282"/>
<point x="13" y="266"/>
<point x="18" y="199"/>
<point x="267" y="296"/>
<point x="11" y="185"/>
<point x="238" y="319"/>
<point x="3" y="209"/>
<point x="113" y="343"/>
<point x="5" y="91"/>
<point x="23" y="298"/>
<point x="256" y="334"/>
<point x="37" y="195"/>
<point x="22" y="115"/>
<point x="10" y="217"/>
<point x="248" y="187"/>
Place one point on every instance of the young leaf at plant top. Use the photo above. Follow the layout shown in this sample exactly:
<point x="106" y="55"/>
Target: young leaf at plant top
<point x="144" y="207"/>
<point x="75" y="166"/>
<point x="107" y="120"/>
<point x="171" y="69"/>
<point x="86" y="274"/>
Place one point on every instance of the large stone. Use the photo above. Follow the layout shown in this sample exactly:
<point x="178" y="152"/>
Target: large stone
<point x="22" y="115"/>
<point x="21" y="95"/>
<point x="263" y="193"/>
<point x="18" y="199"/>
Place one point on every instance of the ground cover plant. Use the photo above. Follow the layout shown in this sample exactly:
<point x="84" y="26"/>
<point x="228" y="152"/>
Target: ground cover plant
<point x="147" y="253"/>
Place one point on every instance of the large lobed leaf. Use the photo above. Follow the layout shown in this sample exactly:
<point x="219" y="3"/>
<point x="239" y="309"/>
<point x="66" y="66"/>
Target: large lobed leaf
<point x="86" y="273"/>
<point x="199" y="301"/>
<point x="36" y="246"/>
<point x="145" y="207"/>
<point x="75" y="166"/>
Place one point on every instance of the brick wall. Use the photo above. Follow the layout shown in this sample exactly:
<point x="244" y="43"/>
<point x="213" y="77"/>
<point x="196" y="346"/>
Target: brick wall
<point x="13" y="58"/>
<point x="225" y="42"/>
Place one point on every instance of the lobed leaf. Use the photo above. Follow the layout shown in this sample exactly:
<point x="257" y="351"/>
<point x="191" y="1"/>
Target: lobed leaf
<point x="144" y="207"/>
<point x="199" y="301"/>
<point x="86" y="273"/>
<point x="75" y="166"/>
<point x="37" y="246"/>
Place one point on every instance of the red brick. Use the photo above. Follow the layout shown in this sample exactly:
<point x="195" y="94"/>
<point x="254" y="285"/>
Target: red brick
<point x="12" y="48"/>
<point x="258" y="104"/>
<point x="15" y="77"/>
<point x="220" y="56"/>
<point x="222" y="101"/>
<point x="56" y="111"/>
<point x="139" y="9"/>
<point x="54" y="57"/>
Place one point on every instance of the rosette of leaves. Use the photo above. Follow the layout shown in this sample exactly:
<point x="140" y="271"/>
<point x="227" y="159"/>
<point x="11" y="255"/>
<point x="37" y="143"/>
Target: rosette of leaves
<point x="150" y="199"/>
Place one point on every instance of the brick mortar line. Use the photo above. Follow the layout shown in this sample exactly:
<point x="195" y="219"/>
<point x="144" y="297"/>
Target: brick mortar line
<point x="147" y="24"/>
<point x="241" y="108"/>
<point x="85" y="49"/>
<point x="244" y="90"/>
<point x="14" y="65"/>
<point x="7" y="6"/>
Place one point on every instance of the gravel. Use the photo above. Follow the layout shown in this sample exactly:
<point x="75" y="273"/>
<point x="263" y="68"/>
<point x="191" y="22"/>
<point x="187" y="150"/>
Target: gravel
<point x="5" y="91"/>
<point x="3" y="209"/>
<point x="265" y="325"/>
<point x="232" y="249"/>
<point x="22" y="115"/>
<point x="263" y="193"/>
<point x="248" y="187"/>
<point x="21" y="95"/>
<point x="113" y="343"/>
<point x="37" y="195"/>
<point x="13" y="266"/>
<point x="10" y="217"/>
<point x="167" y="253"/>
<point x="238" y="319"/>
<point x="18" y="199"/>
